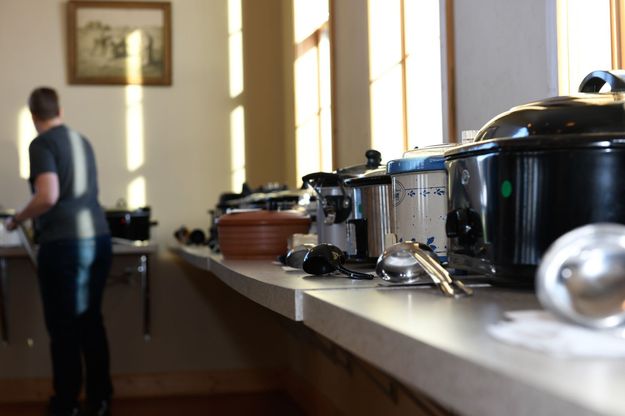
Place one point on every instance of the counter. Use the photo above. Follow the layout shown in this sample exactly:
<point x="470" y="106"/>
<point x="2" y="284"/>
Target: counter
<point x="142" y="250"/>
<point x="432" y="343"/>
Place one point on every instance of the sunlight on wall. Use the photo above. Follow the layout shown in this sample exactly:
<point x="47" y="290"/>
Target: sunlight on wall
<point x="237" y="148"/>
<point x="235" y="47"/>
<point x="583" y="43"/>
<point x="134" y="127"/>
<point x="135" y="154"/>
<point x="237" y="116"/>
<point x="26" y="134"/>
<point x="135" y="193"/>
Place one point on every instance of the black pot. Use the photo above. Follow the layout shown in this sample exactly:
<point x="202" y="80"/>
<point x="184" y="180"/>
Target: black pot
<point x="533" y="174"/>
<point x="130" y="224"/>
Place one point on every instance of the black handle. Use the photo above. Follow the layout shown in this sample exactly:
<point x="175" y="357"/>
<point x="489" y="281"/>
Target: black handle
<point x="374" y="158"/>
<point x="464" y="224"/>
<point x="321" y="179"/>
<point x="362" y="239"/>
<point x="597" y="79"/>
<point x="353" y="274"/>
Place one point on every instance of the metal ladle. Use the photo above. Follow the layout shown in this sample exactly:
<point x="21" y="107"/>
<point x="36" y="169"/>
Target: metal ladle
<point x="328" y="258"/>
<point x="411" y="262"/>
<point x="581" y="277"/>
<point x="295" y="256"/>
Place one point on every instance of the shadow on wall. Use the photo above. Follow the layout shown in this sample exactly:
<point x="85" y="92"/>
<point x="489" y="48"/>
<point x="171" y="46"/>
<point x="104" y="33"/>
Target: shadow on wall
<point x="254" y="332"/>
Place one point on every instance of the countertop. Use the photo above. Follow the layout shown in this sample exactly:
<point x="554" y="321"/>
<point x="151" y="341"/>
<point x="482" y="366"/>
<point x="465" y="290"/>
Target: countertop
<point x="266" y="282"/>
<point x="432" y="343"/>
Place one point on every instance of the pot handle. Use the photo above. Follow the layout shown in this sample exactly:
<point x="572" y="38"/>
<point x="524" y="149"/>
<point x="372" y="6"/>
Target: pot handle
<point x="596" y="79"/>
<point x="361" y="237"/>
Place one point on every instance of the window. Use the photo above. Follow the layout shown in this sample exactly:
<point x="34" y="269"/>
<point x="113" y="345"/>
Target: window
<point x="313" y="120"/>
<point x="406" y="75"/>
<point x="584" y="44"/>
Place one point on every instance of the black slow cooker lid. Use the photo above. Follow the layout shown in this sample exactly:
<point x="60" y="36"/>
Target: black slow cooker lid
<point x="587" y="119"/>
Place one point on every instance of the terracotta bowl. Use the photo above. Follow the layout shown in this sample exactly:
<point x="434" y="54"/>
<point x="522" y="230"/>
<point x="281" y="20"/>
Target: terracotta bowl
<point x="258" y="235"/>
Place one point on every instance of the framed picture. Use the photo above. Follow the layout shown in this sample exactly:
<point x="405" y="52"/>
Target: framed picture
<point x="119" y="42"/>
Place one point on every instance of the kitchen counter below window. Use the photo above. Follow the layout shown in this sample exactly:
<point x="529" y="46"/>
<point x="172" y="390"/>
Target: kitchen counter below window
<point x="429" y="342"/>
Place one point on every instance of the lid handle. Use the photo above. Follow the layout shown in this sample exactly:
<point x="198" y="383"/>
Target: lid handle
<point x="374" y="158"/>
<point x="596" y="79"/>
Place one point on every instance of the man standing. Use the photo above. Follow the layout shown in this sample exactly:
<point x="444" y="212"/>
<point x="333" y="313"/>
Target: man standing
<point x="74" y="256"/>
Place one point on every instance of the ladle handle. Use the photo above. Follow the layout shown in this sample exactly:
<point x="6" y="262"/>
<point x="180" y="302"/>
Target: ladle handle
<point x="354" y="274"/>
<point x="438" y="272"/>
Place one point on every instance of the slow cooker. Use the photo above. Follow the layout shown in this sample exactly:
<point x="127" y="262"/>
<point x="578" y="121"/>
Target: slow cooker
<point x="419" y="183"/>
<point x="370" y="225"/>
<point x="533" y="174"/>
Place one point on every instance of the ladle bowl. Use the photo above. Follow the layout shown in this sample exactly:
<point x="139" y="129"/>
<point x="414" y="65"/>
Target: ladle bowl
<point x="582" y="276"/>
<point x="398" y="264"/>
<point x="411" y="262"/>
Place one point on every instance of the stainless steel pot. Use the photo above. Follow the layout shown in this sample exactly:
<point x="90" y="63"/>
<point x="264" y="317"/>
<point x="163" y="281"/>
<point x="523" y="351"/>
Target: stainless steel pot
<point x="334" y="201"/>
<point x="372" y="216"/>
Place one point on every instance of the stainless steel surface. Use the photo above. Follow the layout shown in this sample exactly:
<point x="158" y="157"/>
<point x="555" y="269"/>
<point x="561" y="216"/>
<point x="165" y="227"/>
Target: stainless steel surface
<point x="582" y="276"/>
<point x="142" y="251"/>
<point x="374" y="203"/>
<point x="409" y="263"/>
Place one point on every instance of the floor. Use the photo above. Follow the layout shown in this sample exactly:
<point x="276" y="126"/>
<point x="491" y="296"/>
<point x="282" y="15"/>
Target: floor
<point x="261" y="404"/>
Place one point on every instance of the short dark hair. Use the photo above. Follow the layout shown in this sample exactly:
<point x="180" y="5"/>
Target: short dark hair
<point x="44" y="103"/>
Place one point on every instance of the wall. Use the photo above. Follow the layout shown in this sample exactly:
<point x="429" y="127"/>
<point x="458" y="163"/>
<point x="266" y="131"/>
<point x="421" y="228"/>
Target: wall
<point x="505" y="56"/>
<point x="198" y="324"/>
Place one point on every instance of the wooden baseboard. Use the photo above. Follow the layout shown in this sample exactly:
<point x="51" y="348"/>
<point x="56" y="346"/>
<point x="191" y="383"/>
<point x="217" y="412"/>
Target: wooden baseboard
<point x="158" y="384"/>
<point x="196" y="383"/>
<point x="308" y="397"/>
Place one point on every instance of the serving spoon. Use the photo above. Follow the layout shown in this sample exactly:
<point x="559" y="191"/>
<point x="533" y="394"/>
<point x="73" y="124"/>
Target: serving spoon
<point x="410" y="262"/>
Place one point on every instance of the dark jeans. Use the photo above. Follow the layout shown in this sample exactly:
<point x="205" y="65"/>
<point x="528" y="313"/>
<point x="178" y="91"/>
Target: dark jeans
<point x="72" y="275"/>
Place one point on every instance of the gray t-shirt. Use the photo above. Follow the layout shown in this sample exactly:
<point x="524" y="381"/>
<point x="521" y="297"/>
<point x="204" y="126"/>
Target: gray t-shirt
<point x="77" y="213"/>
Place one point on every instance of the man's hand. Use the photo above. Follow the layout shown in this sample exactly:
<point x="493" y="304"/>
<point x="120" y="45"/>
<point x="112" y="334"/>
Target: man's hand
<point x="11" y="223"/>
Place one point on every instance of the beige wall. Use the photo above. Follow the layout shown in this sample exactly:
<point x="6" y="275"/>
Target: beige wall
<point x="197" y="323"/>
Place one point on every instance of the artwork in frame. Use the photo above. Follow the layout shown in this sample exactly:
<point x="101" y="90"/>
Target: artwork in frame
<point x="119" y="42"/>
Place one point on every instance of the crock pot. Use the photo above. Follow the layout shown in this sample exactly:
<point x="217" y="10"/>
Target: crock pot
<point x="419" y="183"/>
<point x="370" y="226"/>
<point x="334" y="202"/>
<point x="533" y="174"/>
<point x="130" y="224"/>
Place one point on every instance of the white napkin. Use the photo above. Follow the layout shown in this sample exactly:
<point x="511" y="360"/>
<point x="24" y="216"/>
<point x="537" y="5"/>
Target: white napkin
<point x="542" y="331"/>
<point x="8" y="238"/>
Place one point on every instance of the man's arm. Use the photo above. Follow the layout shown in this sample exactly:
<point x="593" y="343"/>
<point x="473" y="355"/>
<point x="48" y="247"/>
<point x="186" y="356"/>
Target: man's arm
<point x="45" y="196"/>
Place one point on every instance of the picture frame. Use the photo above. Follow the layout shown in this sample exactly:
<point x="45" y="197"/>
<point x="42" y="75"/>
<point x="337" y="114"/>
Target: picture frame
<point x="119" y="42"/>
